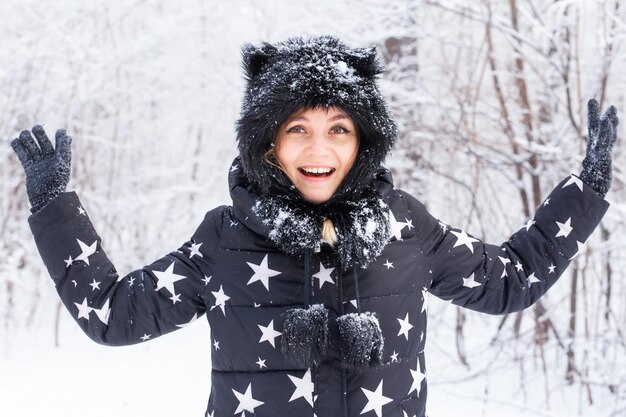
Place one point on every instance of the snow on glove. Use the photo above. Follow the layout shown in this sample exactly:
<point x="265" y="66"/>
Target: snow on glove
<point x="47" y="169"/>
<point x="602" y="134"/>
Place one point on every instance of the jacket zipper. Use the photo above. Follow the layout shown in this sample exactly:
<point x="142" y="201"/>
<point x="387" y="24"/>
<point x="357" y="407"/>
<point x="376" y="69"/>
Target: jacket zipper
<point x="344" y="393"/>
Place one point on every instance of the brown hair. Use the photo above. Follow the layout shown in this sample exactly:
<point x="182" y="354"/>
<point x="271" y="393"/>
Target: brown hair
<point x="270" y="157"/>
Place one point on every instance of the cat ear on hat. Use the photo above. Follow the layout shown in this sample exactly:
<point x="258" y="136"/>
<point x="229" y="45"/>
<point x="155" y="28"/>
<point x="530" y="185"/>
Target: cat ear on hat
<point x="365" y="61"/>
<point x="256" y="58"/>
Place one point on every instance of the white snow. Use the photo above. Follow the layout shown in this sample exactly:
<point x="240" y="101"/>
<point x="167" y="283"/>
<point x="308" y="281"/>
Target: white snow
<point x="167" y="376"/>
<point x="150" y="92"/>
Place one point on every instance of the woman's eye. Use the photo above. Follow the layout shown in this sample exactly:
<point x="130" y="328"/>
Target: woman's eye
<point x="339" y="129"/>
<point x="296" y="129"/>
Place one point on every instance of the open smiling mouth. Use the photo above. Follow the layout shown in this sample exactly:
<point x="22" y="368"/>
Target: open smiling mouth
<point x="316" y="172"/>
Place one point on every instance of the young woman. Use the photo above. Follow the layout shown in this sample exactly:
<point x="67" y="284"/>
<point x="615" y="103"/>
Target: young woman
<point x="315" y="280"/>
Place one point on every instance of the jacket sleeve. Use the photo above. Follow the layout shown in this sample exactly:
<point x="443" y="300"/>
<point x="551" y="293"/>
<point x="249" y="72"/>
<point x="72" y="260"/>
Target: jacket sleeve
<point x="121" y="310"/>
<point x="510" y="277"/>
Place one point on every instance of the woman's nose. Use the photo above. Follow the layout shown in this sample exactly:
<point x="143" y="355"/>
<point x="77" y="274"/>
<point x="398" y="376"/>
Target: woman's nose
<point x="318" y="144"/>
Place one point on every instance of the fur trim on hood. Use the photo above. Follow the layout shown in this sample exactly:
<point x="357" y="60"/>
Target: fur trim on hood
<point x="310" y="73"/>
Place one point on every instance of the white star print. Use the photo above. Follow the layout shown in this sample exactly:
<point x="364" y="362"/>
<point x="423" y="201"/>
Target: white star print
<point x="580" y="246"/>
<point x="82" y="211"/>
<point x="195" y="250"/>
<point x="323" y="276"/>
<point x="551" y="268"/>
<point x="83" y="309"/>
<point x="375" y="400"/>
<point x="246" y="402"/>
<point x="233" y="169"/>
<point x="220" y="300"/>
<point x="262" y="273"/>
<point x="194" y="318"/>
<point x="103" y="312"/>
<point x="545" y="203"/>
<point x="405" y="326"/>
<point x="167" y="278"/>
<point x="68" y="261"/>
<point x="519" y="266"/>
<point x="145" y="337"/>
<point x="418" y="377"/>
<point x="504" y="262"/>
<point x="565" y="228"/>
<point x="470" y="282"/>
<point x="216" y="345"/>
<point x="425" y="300"/>
<point x="269" y="334"/>
<point x="573" y="180"/>
<point x="389" y="264"/>
<point x="131" y="281"/>
<point x="175" y="298"/>
<point x="95" y="285"/>
<point x="304" y="387"/>
<point x="529" y="224"/>
<point x="463" y="238"/>
<point x="261" y="363"/>
<point x="394" y="356"/>
<point x="504" y="273"/>
<point x="396" y="226"/>
<point x="87" y="251"/>
<point x="206" y="280"/>
<point x="532" y="279"/>
<point x="409" y="223"/>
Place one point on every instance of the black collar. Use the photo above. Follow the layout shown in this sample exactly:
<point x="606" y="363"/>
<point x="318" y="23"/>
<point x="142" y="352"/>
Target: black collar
<point x="361" y="222"/>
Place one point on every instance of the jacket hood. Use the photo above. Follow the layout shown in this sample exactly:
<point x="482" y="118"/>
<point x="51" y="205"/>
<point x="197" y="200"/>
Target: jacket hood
<point x="305" y="73"/>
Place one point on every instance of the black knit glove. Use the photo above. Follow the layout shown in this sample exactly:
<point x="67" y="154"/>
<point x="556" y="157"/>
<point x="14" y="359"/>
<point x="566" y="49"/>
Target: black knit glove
<point x="47" y="169"/>
<point x="597" y="168"/>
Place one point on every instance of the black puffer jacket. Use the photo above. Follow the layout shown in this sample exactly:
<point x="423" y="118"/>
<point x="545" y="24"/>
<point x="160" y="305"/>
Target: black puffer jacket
<point x="231" y="272"/>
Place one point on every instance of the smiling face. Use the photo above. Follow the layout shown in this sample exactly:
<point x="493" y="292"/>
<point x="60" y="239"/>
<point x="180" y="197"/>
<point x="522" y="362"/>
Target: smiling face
<point x="316" y="148"/>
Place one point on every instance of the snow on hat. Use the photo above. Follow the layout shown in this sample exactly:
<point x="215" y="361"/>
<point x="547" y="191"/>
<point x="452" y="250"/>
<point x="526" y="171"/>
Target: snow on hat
<point x="308" y="73"/>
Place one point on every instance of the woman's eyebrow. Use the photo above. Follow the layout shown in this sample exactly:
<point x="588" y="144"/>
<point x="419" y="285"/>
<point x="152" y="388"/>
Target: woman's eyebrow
<point x="298" y="119"/>
<point x="305" y="119"/>
<point x="338" y="117"/>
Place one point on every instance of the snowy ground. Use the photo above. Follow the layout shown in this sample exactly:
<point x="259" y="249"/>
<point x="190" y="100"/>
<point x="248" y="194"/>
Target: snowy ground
<point x="169" y="376"/>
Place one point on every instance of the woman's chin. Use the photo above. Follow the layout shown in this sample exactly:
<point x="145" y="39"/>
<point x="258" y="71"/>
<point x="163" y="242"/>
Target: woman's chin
<point x="317" y="197"/>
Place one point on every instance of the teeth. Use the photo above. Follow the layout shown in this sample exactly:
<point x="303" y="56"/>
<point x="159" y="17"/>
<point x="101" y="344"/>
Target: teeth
<point x="317" y="170"/>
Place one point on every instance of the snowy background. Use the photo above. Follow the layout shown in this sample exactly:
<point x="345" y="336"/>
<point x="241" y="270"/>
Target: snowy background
<point x="490" y="96"/>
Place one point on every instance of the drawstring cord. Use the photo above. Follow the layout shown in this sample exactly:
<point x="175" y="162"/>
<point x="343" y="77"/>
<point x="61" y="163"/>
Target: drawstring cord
<point x="307" y="276"/>
<point x="340" y="289"/>
<point x="355" y="274"/>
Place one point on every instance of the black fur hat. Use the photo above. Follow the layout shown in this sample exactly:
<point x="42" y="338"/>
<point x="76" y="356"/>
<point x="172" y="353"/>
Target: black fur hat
<point x="308" y="73"/>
